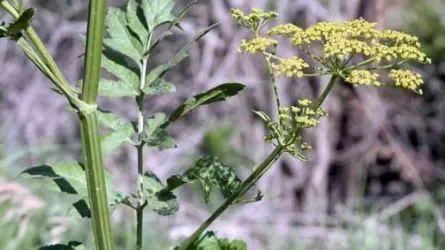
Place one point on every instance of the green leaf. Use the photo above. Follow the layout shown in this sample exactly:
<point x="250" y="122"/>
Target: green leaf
<point x="114" y="139"/>
<point x="162" y="69"/>
<point x="208" y="171"/>
<point x="209" y="241"/>
<point x="219" y="93"/>
<point x="158" y="199"/>
<point x="115" y="63"/>
<point x="159" y="87"/>
<point x="157" y="12"/>
<point x="122" y="39"/>
<point x="69" y="178"/>
<point x="15" y="28"/>
<point x="72" y="245"/>
<point x="108" y="119"/>
<point x="155" y="136"/>
<point x="136" y="21"/>
<point x="116" y="88"/>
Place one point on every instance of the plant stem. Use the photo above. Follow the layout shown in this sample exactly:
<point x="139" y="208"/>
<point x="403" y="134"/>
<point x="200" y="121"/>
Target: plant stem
<point x="245" y="186"/>
<point x="140" y="206"/>
<point x="325" y="93"/>
<point x="140" y="148"/>
<point x="45" y="57"/>
<point x="91" y="145"/>
<point x="97" y="195"/>
<point x="140" y="153"/>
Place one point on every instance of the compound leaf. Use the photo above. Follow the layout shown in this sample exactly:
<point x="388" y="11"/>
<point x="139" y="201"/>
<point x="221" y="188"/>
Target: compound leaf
<point x="208" y="171"/>
<point x="114" y="139"/>
<point x="209" y="241"/>
<point x="116" y="88"/>
<point x="162" y="69"/>
<point x="219" y="93"/>
<point x="67" y="177"/>
<point x="159" y="200"/>
<point x="159" y="87"/>
<point x="155" y="136"/>
<point x="157" y="12"/>
<point x="121" y="38"/>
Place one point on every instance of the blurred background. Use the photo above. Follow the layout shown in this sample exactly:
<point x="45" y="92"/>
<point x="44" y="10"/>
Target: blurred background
<point x="376" y="180"/>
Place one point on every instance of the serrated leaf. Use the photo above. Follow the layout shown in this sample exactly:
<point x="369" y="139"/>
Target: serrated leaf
<point x="158" y="199"/>
<point x="219" y="93"/>
<point x="116" y="88"/>
<point x="108" y="119"/>
<point x="208" y="171"/>
<point x="115" y="63"/>
<point x="122" y="39"/>
<point x="114" y="139"/>
<point x="159" y="87"/>
<point x="162" y="69"/>
<point x="157" y="12"/>
<point x="136" y="21"/>
<point x="209" y="241"/>
<point x="155" y="136"/>
<point x="67" y="177"/>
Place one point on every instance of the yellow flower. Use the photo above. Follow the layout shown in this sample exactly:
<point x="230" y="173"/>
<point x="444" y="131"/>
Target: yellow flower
<point x="287" y="29"/>
<point x="340" y="47"/>
<point x="290" y="67"/>
<point x="363" y="77"/>
<point x="255" y="45"/>
<point x="407" y="79"/>
<point x="253" y="20"/>
<point x="399" y="38"/>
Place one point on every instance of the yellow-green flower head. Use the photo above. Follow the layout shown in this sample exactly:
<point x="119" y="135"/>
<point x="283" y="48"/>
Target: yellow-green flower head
<point x="363" y="77"/>
<point x="304" y="102"/>
<point x="305" y="146"/>
<point x="340" y="47"/>
<point x="290" y="67"/>
<point x="256" y="45"/>
<point x="287" y="29"/>
<point x="254" y="19"/>
<point x="407" y="79"/>
<point x="399" y="38"/>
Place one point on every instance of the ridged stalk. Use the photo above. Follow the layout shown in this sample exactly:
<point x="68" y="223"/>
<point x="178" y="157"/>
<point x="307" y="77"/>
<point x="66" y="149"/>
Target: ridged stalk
<point x="89" y="128"/>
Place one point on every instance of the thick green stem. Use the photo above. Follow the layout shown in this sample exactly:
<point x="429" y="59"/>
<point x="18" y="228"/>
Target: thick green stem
<point x="97" y="194"/>
<point x="245" y="186"/>
<point x="89" y="128"/>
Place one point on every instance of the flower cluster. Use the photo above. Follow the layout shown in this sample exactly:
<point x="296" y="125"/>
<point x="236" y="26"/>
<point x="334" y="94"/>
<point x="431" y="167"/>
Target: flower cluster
<point x="290" y="67"/>
<point x="363" y="77"/>
<point x="255" y="20"/>
<point x="407" y="79"/>
<point x="333" y="45"/>
<point x="256" y="45"/>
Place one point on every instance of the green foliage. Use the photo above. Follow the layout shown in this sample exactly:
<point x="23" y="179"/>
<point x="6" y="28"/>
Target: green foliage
<point x="209" y="241"/>
<point x="68" y="178"/>
<point x="13" y="30"/>
<point x="72" y="245"/>
<point x="208" y="171"/>
<point x="120" y="133"/>
<point x="158" y="199"/>
<point x="219" y="93"/>
<point x="154" y="135"/>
